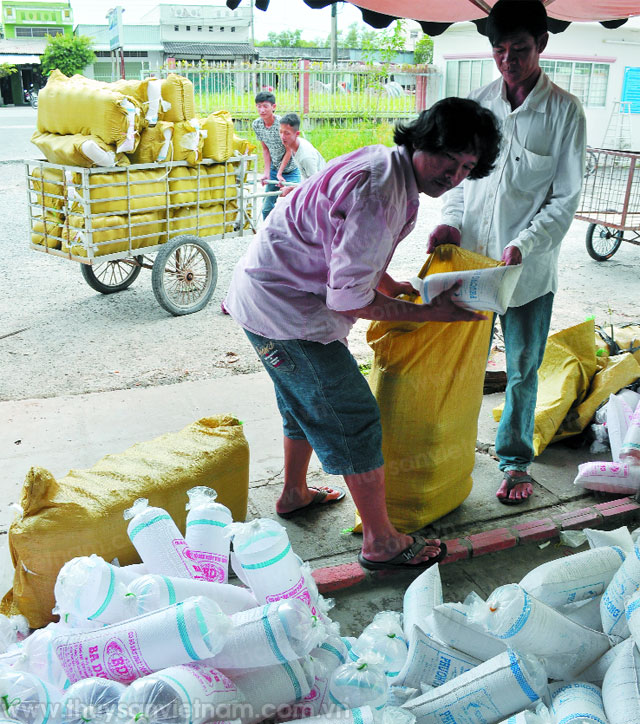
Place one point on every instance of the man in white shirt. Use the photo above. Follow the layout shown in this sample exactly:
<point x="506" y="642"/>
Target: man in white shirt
<point x="308" y="159"/>
<point x="520" y="213"/>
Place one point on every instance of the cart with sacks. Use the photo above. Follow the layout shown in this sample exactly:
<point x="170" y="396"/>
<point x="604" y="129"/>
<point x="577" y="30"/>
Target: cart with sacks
<point x="131" y="174"/>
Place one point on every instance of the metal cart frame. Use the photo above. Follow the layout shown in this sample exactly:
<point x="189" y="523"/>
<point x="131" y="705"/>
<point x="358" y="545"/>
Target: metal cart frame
<point x="610" y="201"/>
<point x="69" y="218"/>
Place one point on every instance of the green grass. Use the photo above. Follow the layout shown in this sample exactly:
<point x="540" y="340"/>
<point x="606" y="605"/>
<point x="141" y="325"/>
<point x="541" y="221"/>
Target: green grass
<point x="365" y="367"/>
<point x="333" y="141"/>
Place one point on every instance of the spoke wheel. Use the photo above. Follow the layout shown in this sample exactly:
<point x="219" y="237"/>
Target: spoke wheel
<point x="184" y="275"/>
<point x="111" y="276"/>
<point x="602" y="242"/>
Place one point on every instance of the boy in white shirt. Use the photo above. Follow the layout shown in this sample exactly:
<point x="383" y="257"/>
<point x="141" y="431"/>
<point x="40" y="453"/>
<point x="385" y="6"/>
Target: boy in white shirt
<point x="308" y="159"/>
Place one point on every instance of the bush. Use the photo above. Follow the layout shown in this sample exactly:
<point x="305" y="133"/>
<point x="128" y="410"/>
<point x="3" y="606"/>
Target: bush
<point x="69" y="54"/>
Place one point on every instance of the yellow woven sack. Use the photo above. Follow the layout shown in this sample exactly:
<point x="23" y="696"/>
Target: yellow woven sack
<point x="242" y="146"/>
<point x="218" y="144"/>
<point x="188" y="185"/>
<point x="564" y="378"/>
<point x="152" y="140"/>
<point x="46" y="231"/>
<point x="111" y="234"/>
<point x="618" y="372"/>
<point x="188" y="141"/>
<point x="73" y="105"/>
<point x="179" y="92"/>
<point x="81" y="513"/>
<point x="627" y="337"/>
<point x="47" y="185"/>
<point x="222" y="181"/>
<point x="200" y="221"/>
<point x="68" y="150"/>
<point x="120" y="192"/>
<point x="428" y="381"/>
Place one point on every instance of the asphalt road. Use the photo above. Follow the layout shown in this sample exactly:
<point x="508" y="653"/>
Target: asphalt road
<point x="58" y="336"/>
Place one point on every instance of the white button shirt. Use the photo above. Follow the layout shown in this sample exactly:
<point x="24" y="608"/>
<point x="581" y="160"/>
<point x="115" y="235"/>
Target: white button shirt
<point x="530" y="197"/>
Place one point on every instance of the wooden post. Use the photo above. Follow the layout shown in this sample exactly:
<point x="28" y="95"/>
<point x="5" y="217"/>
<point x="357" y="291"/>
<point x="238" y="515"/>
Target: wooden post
<point x="304" y="86"/>
<point x="421" y="90"/>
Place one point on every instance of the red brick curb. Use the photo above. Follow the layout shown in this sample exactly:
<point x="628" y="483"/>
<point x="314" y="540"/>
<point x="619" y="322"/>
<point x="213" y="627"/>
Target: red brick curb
<point x="334" y="578"/>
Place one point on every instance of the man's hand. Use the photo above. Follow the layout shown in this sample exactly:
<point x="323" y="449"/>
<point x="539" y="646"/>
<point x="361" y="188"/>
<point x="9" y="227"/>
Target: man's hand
<point x="265" y="179"/>
<point x="512" y="256"/>
<point x="286" y="191"/>
<point x="391" y="288"/>
<point x="443" y="234"/>
<point x="443" y="309"/>
<point x="281" y="180"/>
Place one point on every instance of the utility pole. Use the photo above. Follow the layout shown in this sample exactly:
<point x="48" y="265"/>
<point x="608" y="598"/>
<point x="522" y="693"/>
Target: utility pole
<point x="334" y="35"/>
<point x="253" y="38"/>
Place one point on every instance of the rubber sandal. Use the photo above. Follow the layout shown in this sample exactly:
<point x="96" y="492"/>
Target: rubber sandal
<point x="511" y="484"/>
<point x="402" y="560"/>
<point x="319" y="499"/>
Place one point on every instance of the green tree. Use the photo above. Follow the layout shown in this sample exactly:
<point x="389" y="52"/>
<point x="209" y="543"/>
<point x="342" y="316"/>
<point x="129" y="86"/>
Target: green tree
<point x="352" y="38"/>
<point x="287" y="39"/>
<point x="7" y="69"/>
<point x="423" y="52"/>
<point x="68" y="53"/>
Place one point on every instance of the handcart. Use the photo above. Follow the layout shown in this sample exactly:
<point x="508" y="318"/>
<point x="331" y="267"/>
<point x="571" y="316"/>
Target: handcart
<point x="610" y="201"/>
<point x="113" y="220"/>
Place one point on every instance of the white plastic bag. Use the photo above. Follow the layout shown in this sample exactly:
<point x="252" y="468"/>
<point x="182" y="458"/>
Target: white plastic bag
<point x="269" y="635"/>
<point x="578" y="701"/>
<point x="621" y="686"/>
<point x="420" y="598"/>
<point x="205" y="534"/>
<point x="384" y="637"/>
<point x="618" y="418"/>
<point x="91" y="700"/>
<point x="578" y="577"/>
<point x="451" y="624"/>
<point x="609" y="477"/>
<point x="359" y="683"/>
<point x="431" y="662"/>
<point x="624" y="584"/>
<point x="178" y="634"/>
<point x="596" y="672"/>
<point x="494" y="690"/>
<point x="620" y="537"/>
<point x="531" y="627"/>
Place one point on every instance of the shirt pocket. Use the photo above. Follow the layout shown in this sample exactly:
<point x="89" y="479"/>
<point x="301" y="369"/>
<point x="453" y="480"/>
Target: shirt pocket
<point x="533" y="172"/>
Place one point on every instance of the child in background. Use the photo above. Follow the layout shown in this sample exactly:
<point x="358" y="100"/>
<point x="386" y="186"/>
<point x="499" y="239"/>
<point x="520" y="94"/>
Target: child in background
<point x="267" y="130"/>
<point x="308" y="158"/>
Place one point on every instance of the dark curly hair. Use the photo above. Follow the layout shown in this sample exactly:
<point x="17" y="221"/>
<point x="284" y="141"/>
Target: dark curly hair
<point x="454" y="124"/>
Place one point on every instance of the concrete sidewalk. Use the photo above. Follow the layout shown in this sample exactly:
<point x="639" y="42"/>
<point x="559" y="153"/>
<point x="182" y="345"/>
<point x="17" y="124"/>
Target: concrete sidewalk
<point x="74" y="432"/>
<point x="489" y="544"/>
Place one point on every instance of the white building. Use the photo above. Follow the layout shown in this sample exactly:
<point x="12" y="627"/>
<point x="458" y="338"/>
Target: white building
<point x="182" y="23"/>
<point x="598" y="65"/>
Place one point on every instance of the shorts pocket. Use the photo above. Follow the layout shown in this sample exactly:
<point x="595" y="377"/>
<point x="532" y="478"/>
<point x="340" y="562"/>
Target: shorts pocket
<point x="273" y="355"/>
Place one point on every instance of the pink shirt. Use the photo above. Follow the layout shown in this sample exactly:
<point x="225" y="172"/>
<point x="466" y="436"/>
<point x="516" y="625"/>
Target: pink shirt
<point x="325" y="247"/>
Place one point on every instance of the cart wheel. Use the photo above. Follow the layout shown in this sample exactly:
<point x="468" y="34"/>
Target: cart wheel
<point x="184" y="275"/>
<point x="111" y="276"/>
<point x="602" y="242"/>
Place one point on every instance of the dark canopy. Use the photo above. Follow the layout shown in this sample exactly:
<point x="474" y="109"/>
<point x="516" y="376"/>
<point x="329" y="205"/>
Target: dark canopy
<point x="435" y="16"/>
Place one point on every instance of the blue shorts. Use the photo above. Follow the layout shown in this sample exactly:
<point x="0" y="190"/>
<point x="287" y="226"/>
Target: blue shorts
<point x="323" y="398"/>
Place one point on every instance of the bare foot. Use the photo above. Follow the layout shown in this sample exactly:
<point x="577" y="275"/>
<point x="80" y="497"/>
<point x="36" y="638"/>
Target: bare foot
<point x="386" y="550"/>
<point x="520" y="491"/>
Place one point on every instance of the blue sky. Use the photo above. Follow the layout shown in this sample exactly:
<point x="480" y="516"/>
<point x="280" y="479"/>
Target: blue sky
<point x="281" y="15"/>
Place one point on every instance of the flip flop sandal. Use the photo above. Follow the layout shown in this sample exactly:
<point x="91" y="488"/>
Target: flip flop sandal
<point x="511" y="484"/>
<point x="319" y="499"/>
<point x="402" y="560"/>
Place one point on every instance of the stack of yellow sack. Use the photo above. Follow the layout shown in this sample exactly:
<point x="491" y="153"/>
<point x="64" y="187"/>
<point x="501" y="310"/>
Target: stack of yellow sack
<point x="122" y="123"/>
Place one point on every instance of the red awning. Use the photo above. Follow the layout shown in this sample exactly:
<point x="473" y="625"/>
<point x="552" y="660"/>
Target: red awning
<point x="436" y="15"/>
<point x="448" y="11"/>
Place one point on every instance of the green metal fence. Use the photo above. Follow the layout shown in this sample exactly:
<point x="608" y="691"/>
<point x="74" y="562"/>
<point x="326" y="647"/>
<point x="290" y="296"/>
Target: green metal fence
<point x="346" y="94"/>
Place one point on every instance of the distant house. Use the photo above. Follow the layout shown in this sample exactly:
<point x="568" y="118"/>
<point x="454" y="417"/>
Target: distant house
<point x="25" y="27"/>
<point x="171" y="33"/>
<point x="599" y="65"/>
